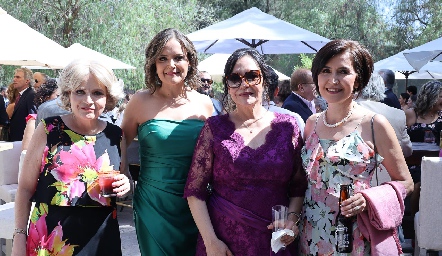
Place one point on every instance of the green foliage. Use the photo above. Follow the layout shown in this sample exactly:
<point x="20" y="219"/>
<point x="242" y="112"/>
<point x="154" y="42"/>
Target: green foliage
<point x="122" y="29"/>
<point x="119" y="29"/>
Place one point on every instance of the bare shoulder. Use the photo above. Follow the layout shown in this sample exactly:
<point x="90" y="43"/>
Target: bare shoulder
<point x="201" y="99"/>
<point x="310" y="124"/>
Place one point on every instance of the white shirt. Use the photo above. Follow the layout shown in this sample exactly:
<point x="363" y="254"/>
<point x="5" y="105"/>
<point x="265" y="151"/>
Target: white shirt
<point x="273" y="108"/>
<point x="310" y="104"/>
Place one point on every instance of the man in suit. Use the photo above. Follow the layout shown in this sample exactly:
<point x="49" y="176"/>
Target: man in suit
<point x="303" y="93"/>
<point x="390" y="98"/>
<point x="369" y="98"/>
<point x="24" y="104"/>
<point x="270" y="104"/>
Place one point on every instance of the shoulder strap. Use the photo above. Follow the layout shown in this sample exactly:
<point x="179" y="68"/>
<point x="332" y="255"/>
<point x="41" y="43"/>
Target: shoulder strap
<point x="317" y="118"/>
<point x="360" y="121"/>
<point x="375" y="150"/>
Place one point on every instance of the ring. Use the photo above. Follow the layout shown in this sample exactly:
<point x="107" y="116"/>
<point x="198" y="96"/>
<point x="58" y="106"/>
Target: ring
<point x="357" y="208"/>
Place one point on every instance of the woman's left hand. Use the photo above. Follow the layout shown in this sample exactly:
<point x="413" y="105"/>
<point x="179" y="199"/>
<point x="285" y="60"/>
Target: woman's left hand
<point x="354" y="205"/>
<point x="121" y="185"/>
<point x="286" y="239"/>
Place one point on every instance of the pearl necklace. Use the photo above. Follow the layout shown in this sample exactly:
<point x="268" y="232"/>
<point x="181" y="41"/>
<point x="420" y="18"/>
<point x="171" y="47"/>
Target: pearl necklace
<point x="340" y="122"/>
<point x="256" y="120"/>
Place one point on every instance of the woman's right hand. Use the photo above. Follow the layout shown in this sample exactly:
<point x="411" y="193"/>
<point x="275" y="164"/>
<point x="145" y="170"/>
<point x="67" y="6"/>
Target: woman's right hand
<point x="19" y="245"/>
<point x="217" y="247"/>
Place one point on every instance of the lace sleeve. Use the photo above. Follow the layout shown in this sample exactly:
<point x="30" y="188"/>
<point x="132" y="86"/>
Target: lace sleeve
<point x="200" y="173"/>
<point x="299" y="180"/>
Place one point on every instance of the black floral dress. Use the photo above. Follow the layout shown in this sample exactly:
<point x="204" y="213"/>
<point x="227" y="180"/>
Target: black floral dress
<point x="70" y="216"/>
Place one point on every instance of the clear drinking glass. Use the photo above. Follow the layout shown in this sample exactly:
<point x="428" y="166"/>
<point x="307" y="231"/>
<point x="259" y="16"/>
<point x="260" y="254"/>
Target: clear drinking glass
<point x="279" y="217"/>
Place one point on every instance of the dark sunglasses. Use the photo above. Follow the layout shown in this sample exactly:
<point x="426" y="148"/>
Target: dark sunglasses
<point x="252" y="77"/>
<point x="36" y="80"/>
<point x="209" y="81"/>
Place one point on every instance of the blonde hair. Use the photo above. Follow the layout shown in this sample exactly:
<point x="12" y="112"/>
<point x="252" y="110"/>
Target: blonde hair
<point x="74" y="74"/>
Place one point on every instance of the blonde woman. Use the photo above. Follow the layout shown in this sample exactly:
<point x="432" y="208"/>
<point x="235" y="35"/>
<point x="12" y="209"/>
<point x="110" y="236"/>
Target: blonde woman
<point x="70" y="216"/>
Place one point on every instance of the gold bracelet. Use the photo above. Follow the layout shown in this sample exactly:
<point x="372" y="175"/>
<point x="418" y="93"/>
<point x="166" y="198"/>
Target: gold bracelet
<point x="19" y="231"/>
<point x="297" y="215"/>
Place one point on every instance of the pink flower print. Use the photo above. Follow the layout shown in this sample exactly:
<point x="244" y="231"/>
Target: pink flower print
<point x="75" y="161"/>
<point x="324" y="248"/>
<point x="44" y="159"/>
<point x="76" y="189"/>
<point x="40" y="243"/>
<point x="79" y="170"/>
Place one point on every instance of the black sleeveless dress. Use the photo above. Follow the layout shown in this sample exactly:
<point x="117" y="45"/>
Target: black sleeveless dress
<point x="70" y="216"/>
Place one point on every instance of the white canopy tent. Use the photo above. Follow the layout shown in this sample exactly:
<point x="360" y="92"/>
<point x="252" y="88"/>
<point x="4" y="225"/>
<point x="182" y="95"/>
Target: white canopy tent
<point x="419" y="56"/>
<point x="21" y="45"/>
<point x="215" y="64"/>
<point x="78" y="51"/>
<point x="254" y="28"/>
<point x="404" y="70"/>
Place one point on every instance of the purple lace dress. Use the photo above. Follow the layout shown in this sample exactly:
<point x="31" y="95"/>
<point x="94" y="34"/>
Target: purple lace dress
<point x="245" y="183"/>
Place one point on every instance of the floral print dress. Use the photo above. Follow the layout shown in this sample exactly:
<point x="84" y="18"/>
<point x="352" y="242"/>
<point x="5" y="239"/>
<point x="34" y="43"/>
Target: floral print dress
<point x="329" y="163"/>
<point x="70" y="216"/>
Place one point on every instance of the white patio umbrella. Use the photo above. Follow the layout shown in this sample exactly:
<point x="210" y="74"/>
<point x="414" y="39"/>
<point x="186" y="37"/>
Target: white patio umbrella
<point x="404" y="70"/>
<point x="215" y="64"/>
<point x="254" y="28"/>
<point x="78" y="51"/>
<point x="21" y="45"/>
<point x="419" y="56"/>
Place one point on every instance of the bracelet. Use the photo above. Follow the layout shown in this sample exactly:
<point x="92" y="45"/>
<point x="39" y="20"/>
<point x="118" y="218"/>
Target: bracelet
<point x="19" y="231"/>
<point x="297" y="215"/>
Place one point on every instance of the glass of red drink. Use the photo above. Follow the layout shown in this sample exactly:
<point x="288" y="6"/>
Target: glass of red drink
<point x="105" y="180"/>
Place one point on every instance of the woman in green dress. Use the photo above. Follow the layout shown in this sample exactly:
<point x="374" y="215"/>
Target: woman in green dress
<point x="167" y="118"/>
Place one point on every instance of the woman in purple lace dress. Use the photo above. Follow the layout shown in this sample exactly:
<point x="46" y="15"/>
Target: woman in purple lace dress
<point x="250" y="158"/>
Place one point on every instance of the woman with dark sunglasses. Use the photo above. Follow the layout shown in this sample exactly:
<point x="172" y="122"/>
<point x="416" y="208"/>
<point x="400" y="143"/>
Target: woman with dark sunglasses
<point x="250" y="158"/>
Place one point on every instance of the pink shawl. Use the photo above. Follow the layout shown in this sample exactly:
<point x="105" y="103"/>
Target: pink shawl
<point x="384" y="212"/>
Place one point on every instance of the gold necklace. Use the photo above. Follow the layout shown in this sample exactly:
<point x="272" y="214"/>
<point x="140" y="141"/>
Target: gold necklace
<point x="256" y="120"/>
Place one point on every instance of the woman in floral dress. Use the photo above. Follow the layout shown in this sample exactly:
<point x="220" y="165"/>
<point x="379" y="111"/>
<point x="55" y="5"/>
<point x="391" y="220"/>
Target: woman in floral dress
<point x="339" y="148"/>
<point x="70" y="216"/>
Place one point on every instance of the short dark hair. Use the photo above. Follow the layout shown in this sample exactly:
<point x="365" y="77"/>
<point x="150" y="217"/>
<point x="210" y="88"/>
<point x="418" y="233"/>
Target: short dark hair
<point x="412" y="89"/>
<point x="388" y="77"/>
<point x="405" y="95"/>
<point x="284" y="90"/>
<point x="361" y="60"/>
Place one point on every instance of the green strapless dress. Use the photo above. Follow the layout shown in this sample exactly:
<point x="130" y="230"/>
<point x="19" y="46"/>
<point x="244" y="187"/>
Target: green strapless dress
<point x="163" y="221"/>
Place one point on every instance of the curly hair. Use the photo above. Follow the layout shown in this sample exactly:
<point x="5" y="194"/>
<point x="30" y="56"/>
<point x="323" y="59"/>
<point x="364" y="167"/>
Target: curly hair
<point x="45" y="91"/>
<point x="12" y="93"/>
<point x="361" y="60"/>
<point x="228" y="104"/>
<point x="375" y="89"/>
<point x="273" y="82"/>
<point x="427" y="97"/>
<point x="75" y="73"/>
<point x="155" y="48"/>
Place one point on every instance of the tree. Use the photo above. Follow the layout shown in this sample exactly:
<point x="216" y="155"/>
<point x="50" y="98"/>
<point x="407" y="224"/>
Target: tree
<point x="120" y="29"/>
